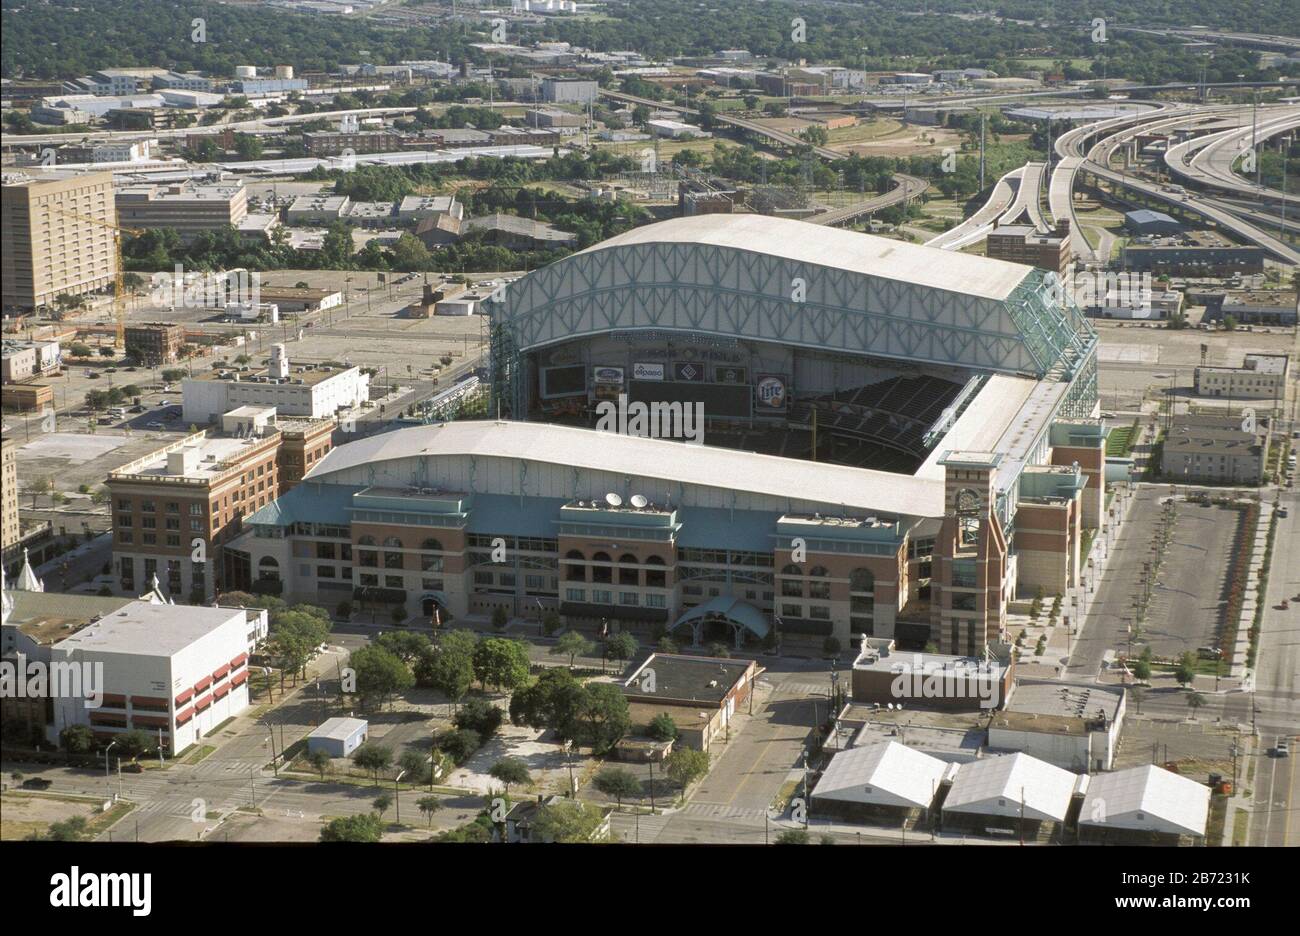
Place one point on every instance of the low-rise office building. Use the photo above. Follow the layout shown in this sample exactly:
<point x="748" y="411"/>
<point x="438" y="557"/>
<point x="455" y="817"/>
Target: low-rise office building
<point x="155" y="342"/>
<point x="1214" y="448"/>
<point x="338" y="737"/>
<point x="25" y="360"/>
<point x="1260" y="377"/>
<point x="172" y="671"/>
<point x="315" y="391"/>
<point x="700" y="694"/>
<point x="188" y="208"/>
<point x="1024" y="243"/>
<point x="175" y="509"/>
<point x="1074" y="726"/>
<point x="883" y="675"/>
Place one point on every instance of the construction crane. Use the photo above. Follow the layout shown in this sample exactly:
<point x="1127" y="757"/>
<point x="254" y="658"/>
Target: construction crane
<point x="119" y="299"/>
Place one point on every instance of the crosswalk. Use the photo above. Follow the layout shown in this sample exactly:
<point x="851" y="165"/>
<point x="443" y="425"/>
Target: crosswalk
<point x="719" y="811"/>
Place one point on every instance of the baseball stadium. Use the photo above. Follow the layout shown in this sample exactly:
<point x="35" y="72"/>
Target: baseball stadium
<point x="893" y="441"/>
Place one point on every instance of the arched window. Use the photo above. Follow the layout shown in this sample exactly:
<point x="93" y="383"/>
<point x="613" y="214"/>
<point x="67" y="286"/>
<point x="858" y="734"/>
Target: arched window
<point x="268" y="569"/>
<point x="792" y="587"/>
<point x="392" y="553"/>
<point x="573" y="572"/>
<point x="628" y="576"/>
<point x="655" y="578"/>
<point x="862" y="580"/>
<point x="430" y="563"/>
<point x="602" y="573"/>
<point x="819" y="590"/>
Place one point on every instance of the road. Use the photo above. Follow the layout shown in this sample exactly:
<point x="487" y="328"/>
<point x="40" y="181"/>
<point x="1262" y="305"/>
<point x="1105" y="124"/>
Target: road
<point x="1208" y="160"/>
<point x="1277" y="690"/>
<point x="975" y="228"/>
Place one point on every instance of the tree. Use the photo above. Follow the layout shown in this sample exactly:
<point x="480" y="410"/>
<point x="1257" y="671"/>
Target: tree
<point x="551" y="621"/>
<point x="460" y="745"/>
<point x="1139" y="695"/>
<point x="553" y="702"/>
<point x="429" y="805"/>
<point x="364" y="827"/>
<point x="320" y="761"/>
<point x="831" y="647"/>
<point x="662" y="727"/>
<point x="173" y="374"/>
<point x="501" y="663"/>
<point x="667" y="645"/>
<point x="793" y="837"/>
<point x="685" y="766"/>
<point x="481" y="716"/>
<point x="37" y="486"/>
<point x="572" y="644"/>
<point x="374" y="758"/>
<point x="719" y="649"/>
<point x="416" y="764"/>
<point x="567" y="821"/>
<point x="381" y="803"/>
<point x="622" y="647"/>
<point x="617" y="782"/>
<point x="1194" y="702"/>
<point x="605" y="716"/>
<point x="76" y="739"/>
<point x="1142" y="670"/>
<point x="72" y="829"/>
<point x="80" y="350"/>
<point x="1185" y="671"/>
<point x="449" y="667"/>
<point x="405" y="645"/>
<point x="500" y="618"/>
<point x="510" y="770"/>
<point x="134" y="742"/>
<point x="380" y="673"/>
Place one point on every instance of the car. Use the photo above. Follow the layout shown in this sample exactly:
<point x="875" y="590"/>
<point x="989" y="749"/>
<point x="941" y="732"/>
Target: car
<point x="132" y="768"/>
<point x="37" y="783"/>
<point x="1281" y="749"/>
<point x="155" y="424"/>
<point x="1282" y="512"/>
<point x="163" y="403"/>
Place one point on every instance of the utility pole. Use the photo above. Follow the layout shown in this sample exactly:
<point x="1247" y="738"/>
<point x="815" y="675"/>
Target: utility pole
<point x="982" y="119"/>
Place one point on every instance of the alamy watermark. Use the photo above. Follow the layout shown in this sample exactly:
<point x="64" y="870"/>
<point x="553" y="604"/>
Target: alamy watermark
<point x="657" y="420"/>
<point x="21" y="678"/>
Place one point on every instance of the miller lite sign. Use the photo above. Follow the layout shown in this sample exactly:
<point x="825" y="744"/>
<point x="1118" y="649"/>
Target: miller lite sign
<point x="770" y="393"/>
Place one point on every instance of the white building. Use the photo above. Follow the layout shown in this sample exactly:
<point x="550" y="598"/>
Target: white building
<point x="885" y="774"/>
<point x="1012" y="787"/>
<point x="314" y="390"/>
<point x="675" y="129"/>
<point x="1144" y="799"/>
<point x="175" y="672"/>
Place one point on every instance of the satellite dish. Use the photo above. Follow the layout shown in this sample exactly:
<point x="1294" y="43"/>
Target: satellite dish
<point x="613" y="499"/>
<point x="639" y="501"/>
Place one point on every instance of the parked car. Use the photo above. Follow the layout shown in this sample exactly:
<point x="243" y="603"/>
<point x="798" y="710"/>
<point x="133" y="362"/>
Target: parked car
<point x="132" y="768"/>
<point x="1281" y="749"/>
<point x="37" y="783"/>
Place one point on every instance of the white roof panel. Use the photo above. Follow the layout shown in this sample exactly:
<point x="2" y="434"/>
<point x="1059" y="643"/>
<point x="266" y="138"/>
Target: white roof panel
<point x="885" y="774"/>
<point x="832" y="247"/>
<point x="996" y="786"/>
<point x="638" y="457"/>
<point x="1148" y="798"/>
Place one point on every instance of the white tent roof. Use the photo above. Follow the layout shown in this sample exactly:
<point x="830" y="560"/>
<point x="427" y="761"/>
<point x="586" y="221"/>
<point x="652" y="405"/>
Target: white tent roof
<point x="995" y="787"/>
<point x="884" y="774"/>
<point x="1148" y="798"/>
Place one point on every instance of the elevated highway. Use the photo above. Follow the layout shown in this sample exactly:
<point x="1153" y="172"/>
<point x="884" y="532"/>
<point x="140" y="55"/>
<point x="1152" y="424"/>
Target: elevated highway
<point x="1207" y="161"/>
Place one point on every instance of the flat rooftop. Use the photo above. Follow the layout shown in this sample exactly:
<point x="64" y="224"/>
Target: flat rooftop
<point x="950" y="736"/>
<point x="48" y="617"/>
<point x="338" y="729"/>
<point x="299" y="375"/>
<point x="212" y="455"/>
<point x="686" y="678"/>
<point x="146" y="629"/>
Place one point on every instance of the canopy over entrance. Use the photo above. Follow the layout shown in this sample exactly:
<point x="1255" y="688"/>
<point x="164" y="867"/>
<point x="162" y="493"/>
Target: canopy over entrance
<point x="724" y="609"/>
